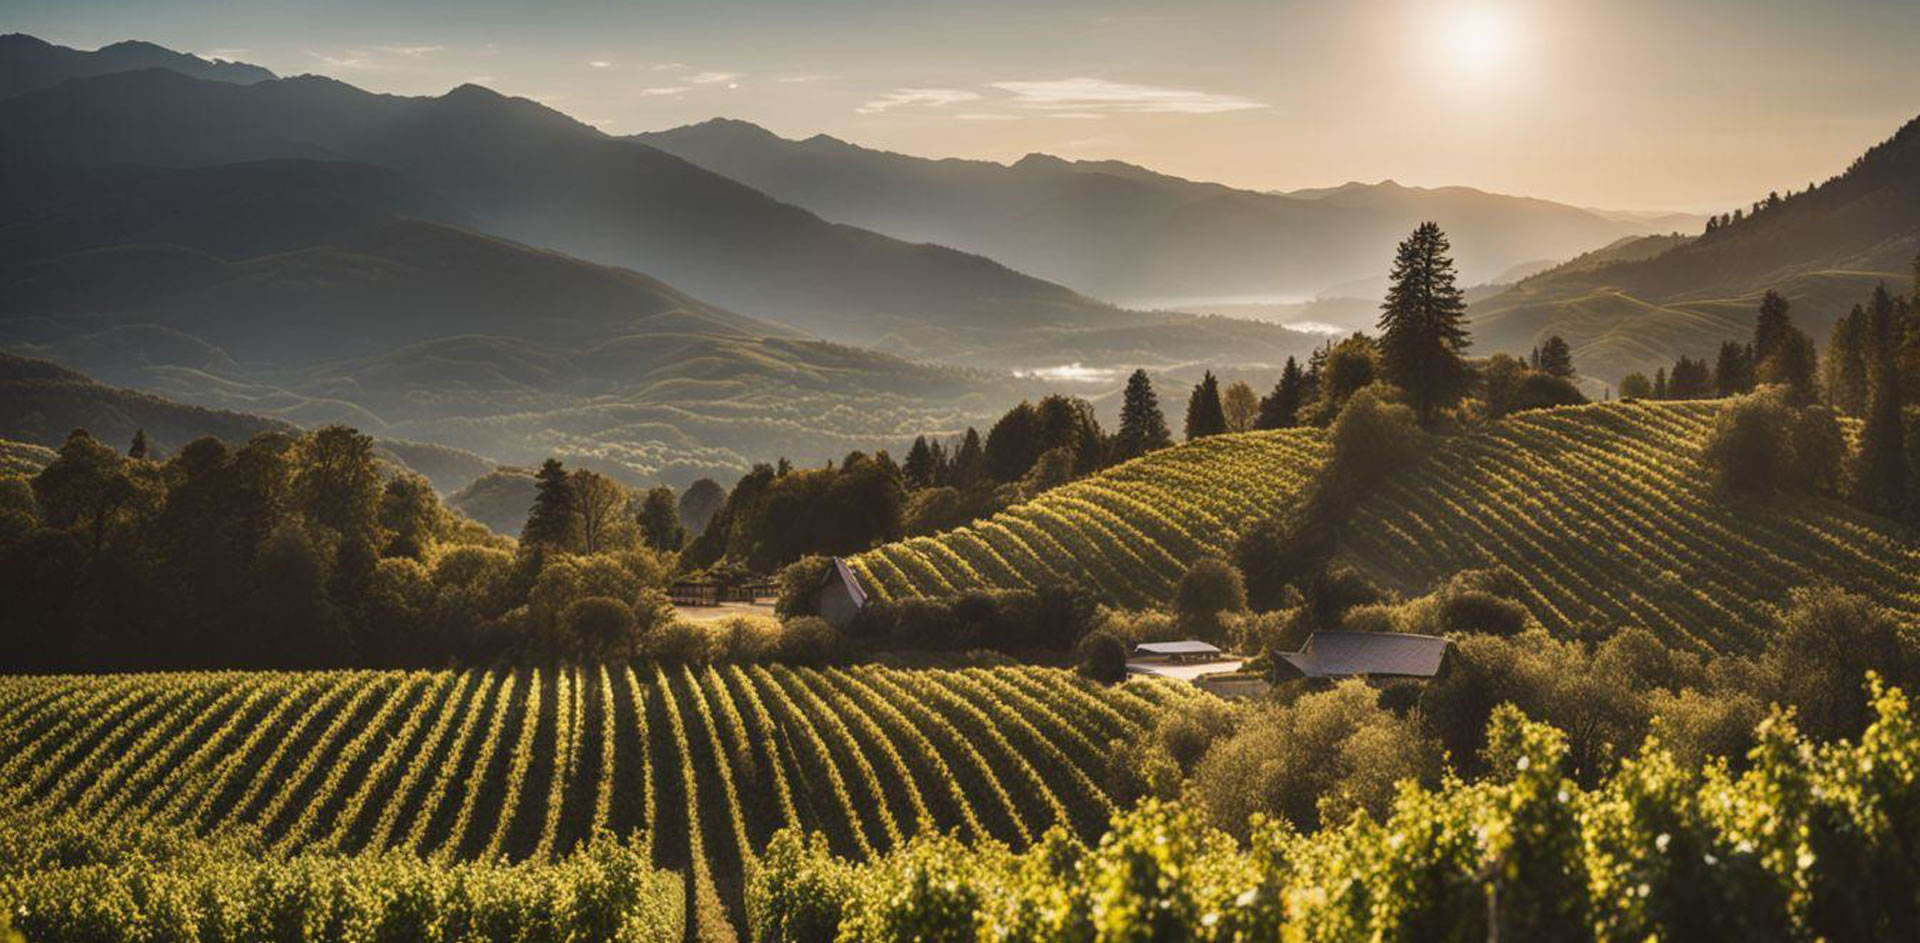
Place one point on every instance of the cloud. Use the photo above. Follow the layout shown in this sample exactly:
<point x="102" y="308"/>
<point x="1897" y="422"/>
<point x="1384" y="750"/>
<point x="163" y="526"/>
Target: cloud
<point x="1087" y="95"/>
<point x="1076" y="115"/>
<point x="985" y="116"/>
<point x="797" y="79"/>
<point x="667" y="90"/>
<point x="710" y="78"/>
<point x="933" y="97"/>
<point x="227" y="54"/>
<point x="412" y="51"/>
<point x="600" y="64"/>
<point x="351" y="59"/>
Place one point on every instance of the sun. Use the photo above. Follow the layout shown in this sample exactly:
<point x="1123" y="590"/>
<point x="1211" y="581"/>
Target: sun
<point x="1476" y="40"/>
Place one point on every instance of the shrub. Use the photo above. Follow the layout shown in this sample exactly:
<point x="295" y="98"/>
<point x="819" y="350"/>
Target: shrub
<point x="799" y="584"/>
<point x="1103" y="658"/>
<point x="599" y="629"/>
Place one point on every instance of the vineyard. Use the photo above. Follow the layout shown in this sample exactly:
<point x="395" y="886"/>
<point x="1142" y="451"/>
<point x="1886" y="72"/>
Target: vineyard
<point x="1128" y="533"/>
<point x="706" y="763"/>
<point x="1609" y="519"/>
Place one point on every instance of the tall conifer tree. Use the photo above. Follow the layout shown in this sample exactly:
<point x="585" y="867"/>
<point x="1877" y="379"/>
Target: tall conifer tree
<point x="1280" y="409"/>
<point x="1205" y="416"/>
<point x="1422" y="324"/>
<point x="552" y="523"/>
<point x="1143" y="427"/>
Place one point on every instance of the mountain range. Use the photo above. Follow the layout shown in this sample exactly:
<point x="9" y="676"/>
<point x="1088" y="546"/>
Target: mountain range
<point x="1128" y="234"/>
<point x="1640" y="306"/>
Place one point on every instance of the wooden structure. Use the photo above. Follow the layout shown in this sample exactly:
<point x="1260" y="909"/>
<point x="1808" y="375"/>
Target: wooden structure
<point x="841" y="595"/>
<point x="694" y="593"/>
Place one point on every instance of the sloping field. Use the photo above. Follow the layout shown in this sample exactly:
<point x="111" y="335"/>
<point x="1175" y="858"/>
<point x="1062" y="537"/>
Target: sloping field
<point x="1610" y="519"/>
<point x="1127" y="533"/>
<point x="455" y="766"/>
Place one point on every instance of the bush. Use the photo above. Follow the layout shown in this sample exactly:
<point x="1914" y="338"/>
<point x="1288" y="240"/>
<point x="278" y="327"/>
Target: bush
<point x="1828" y="639"/>
<point x="1103" y="658"/>
<point x="799" y="584"/>
<point x="809" y="640"/>
<point x="599" y="629"/>
<point x="1762" y="443"/>
<point x="1209" y="587"/>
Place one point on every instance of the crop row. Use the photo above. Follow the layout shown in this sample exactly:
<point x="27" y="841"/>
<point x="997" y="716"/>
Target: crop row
<point x="524" y="765"/>
<point x="1127" y="533"/>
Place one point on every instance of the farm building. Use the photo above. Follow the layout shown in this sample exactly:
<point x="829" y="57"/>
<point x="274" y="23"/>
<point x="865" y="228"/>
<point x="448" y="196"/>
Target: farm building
<point x="1186" y="660"/>
<point x="841" y="595"/>
<point x="1365" y="655"/>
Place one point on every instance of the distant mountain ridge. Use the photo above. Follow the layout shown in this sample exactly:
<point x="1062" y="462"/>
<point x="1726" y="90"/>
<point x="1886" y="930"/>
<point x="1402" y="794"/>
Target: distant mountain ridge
<point x="1824" y="249"/>
<point x="28" y="64"/>
<point x="524" y="171"/>
<point x="1128" y="233"/>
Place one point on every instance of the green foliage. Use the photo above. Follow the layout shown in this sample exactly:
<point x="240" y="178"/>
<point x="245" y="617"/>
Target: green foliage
<point x="1422" y="324"/>
<point x="1210" y="587"/>
<point x="1102" y="657"/>
<point x="1762" y="443"/>
<point x="1143" y="427"/>
<point x="1806" y="844"/>
<point x="1205" y="414"/>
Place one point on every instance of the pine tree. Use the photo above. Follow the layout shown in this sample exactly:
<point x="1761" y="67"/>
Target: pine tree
<point x="920" y="470"/>
<point x="1422" y="332"/>
<point x="552" y="523"/>
<point x="967" y="460"/>
<point x="1733" y="370"/>
<point x="1660" y="383"/>
<point x="1879" y="480"/>
<point x="1770" y="330"/>
<point x="1280" y="409"/>
<point x="1143" y="427"/>
<point x="140" y="447"/>
<point x="1205" y="416"/>
<point x="1554" y="358"/>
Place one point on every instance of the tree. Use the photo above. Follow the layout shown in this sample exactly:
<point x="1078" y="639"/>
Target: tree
<point x="699" y="503"/>
<point x="1733" y="369"/>
<point x="1012" y="444"/>
<point x="83" y="488"/>
<point x="1879" y="479"/>
<point x="1770" y="328"/>
<point x="1205" y="416"/>
<point x="141" y="448"/>
<point x="1143" y="427"/>
<point x="659" y="521"/>
<point x="1103" y="658"/>
<point x="599" y="629"/>
<point x="1209" y="587"/>
<point x="1846" y="367"/>
<point x="1554" y="358"/>
<point x="599" y="503"/>
<point x="969" y="458"/>
<point x="1660" y="383"/>
<point x="1636" y="386"/>
<point x="552" y="522"/>
<point x="1690" y="379"/>
<point x="1349" y="367"/>
<point x="1280" y="409"/>
<point x="411" y="514"/>
<point x="337" y="481"/>
<point x="1241" y="406"/>
<point x="920" y="470"/>
<point x="1422" y="325"/>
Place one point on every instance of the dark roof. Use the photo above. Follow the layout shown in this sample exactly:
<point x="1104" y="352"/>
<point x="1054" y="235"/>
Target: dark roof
<point x="1187" y="647"/>
<point x="844" y="573"/>
<point x="1350" y="654"/>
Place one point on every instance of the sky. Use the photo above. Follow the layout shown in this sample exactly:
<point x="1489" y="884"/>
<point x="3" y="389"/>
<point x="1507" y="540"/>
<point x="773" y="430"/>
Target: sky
<point x="1694" y="105"/>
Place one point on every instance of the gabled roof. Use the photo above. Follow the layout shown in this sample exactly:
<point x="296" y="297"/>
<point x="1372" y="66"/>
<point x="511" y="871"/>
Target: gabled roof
<point x="1187" y="647"/>
<point x="1353" y="654"/>
<point x="844" y="573"/>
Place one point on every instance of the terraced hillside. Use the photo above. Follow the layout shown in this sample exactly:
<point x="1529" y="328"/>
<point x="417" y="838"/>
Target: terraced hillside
<point x="1609" y="518"/>
<point x="455" y="766"/>
<point x="1127" y="533"/>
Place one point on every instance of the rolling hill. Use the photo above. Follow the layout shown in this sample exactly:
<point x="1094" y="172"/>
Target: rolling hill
<point x="1604" y="513"/>
<point x="1824" y="249"/>
<point x="706" y="763"/>
<point x="1127" y="533"/>
<point x="1126" y="233"/>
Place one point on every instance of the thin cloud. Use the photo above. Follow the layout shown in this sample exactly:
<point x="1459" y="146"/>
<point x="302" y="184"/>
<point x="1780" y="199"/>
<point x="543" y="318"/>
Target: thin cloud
<point x="1086" y="95"/>
<point x="412" y="51"/>
<point x="601" y="64"/>
<point x="985" y="116"/>
<point x="667" y="90"/>
<point x="351" y="59"/>
<point x="711" y="78"/>
<point x="797" y="79"/>
<point x="931" y="97"/>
